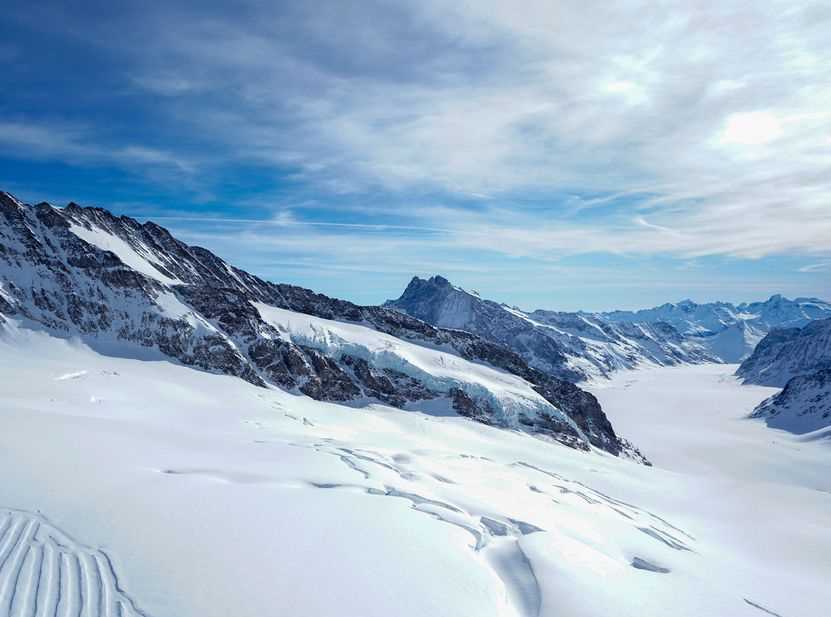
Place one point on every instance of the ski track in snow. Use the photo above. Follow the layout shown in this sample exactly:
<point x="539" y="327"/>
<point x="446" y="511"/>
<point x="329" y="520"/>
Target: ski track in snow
<point x="46" y="573"/>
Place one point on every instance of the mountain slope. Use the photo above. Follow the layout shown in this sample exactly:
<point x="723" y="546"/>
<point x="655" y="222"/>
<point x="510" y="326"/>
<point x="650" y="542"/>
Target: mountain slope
<point x="573" y="345"/>
<point x="800" y="360"/>
<point x="803" y="406"/>
<point x="577" y="346"/>
<point x="789" y="352"/>
<point x="127" y="288"/>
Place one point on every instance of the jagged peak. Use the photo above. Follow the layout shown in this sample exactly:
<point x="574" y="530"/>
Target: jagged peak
<point x="10" y="200"/>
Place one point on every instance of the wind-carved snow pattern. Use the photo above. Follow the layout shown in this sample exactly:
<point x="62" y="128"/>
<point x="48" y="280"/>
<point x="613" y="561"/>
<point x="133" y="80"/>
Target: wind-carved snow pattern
<point x="495" y="536"/>
<point x="45" y="572"/>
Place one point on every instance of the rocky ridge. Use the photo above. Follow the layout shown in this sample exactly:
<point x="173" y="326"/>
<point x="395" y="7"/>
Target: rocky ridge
<point x="800" y="360"/>
<point x="132" y="287"/>
<point x="803" y="405"/>
<point x="582" y="345"/>
<point x="574" y="346"/>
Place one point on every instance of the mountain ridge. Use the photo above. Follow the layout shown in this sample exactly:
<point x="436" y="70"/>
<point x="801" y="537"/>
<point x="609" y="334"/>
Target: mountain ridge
<point x="584" y="345"/>
<point x="114" y="281"/>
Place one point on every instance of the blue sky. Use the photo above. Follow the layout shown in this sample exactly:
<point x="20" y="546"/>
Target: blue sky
<point x="571" y="155"/>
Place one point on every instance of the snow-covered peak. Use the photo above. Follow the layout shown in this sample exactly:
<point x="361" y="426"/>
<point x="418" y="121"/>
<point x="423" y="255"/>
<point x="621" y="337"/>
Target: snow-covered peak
<point x="571" y="345"/>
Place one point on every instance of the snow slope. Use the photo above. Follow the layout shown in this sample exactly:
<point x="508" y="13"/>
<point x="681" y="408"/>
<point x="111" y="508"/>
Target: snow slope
<point x="126" y="253"/>
<point x="210" y="496"/>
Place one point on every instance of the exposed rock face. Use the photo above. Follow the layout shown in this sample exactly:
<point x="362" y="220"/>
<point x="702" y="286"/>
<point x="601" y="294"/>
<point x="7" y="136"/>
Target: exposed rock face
<point x="800" y="360"/>
<point x="572" y="346"/>
<point x="789" y="352"/>
<point x="803" y="406"/>
<point x="126" y="286"/>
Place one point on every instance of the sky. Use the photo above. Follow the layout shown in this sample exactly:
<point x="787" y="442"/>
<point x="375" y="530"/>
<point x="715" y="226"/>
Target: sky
<point x="558" y="154"/>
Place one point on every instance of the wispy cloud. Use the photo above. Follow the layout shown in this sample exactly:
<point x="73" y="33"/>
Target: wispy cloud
<point x="823" y="266"/>
<point x="479" y="129"/>
<point x="77" y="144"/>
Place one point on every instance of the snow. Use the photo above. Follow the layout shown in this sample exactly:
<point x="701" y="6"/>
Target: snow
<point x="734" y="343"/>
<point x="439" y="370"/>
<point x="212" y="497"/>
<point x="109" y="242"/>
<point x="173" y="308"/>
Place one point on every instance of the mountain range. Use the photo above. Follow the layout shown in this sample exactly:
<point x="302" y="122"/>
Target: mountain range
<point x="583" y="345"/>
<point x="251" y="432"/>
<point x="131" y="289"/>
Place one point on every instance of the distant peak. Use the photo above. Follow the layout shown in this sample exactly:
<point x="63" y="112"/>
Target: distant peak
<point x="10" y="200"/>
<point x="439" y="281"/>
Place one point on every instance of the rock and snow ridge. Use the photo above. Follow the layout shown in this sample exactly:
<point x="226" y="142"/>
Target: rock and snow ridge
<point x="789" y="352"/>
<point x="803" y="406"/>
<point x="729" y="331"/>
<point x="583" y="345"/>
<point x="127" y="288"/>
<point x="800" y="360"/>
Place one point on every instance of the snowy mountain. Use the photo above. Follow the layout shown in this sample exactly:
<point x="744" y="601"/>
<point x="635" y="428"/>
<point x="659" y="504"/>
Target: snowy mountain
<point x="322" y="461"/>
<point x="789" y="352"/>
<point x="574" y="346"/>
<point x="581" y="345"/>
<point x="800" y="360"/>
<point x="131" y="289"/>
<point x="728" y="331"/>
<point x="803" y="406"/>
